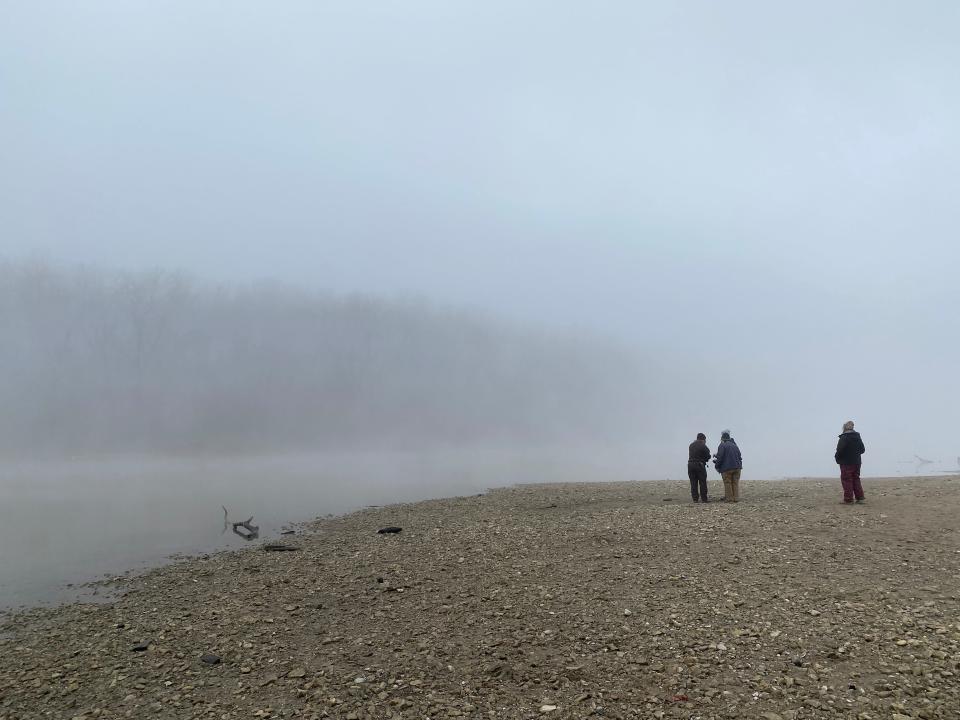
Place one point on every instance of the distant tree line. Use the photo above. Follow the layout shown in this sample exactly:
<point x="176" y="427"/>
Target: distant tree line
<point x="158" y="362"/>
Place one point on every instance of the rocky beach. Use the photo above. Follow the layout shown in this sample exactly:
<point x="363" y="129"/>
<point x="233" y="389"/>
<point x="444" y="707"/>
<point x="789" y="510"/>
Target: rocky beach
<point x="607" y="600"/>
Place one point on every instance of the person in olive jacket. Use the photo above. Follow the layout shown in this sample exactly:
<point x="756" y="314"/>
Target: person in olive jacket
<point x="699" y="456"/>
<point x="849" y="449"/>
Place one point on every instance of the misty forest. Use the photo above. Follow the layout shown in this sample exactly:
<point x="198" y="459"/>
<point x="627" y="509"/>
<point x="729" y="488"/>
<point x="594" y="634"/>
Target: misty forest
<point x="157" y="362"/>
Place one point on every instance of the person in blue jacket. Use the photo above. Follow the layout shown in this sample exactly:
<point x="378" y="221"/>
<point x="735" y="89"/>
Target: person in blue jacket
<point x="729" y="462"/>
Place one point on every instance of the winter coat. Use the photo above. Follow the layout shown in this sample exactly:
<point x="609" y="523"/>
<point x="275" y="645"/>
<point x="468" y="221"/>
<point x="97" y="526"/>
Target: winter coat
<point x="728" y="457"/>
<point x="849" y="448"/>
<point x="699" y="452"/>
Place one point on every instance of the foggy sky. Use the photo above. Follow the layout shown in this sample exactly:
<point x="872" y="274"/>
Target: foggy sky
<point x="761" y="198"/>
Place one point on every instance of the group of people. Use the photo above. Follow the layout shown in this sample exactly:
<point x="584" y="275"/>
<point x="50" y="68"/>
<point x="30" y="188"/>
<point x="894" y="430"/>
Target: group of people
<point x="729" y="463"/>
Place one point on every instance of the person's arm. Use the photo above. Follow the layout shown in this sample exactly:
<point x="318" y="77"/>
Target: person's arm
<point x="841" y="445"/>
<point x="721" y="451"/>
<point x="705" y="453"/>
<point x="862" y="448"/>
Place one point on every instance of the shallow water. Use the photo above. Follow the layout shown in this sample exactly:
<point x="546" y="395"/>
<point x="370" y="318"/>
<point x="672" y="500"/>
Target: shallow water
<point x="63" y="524"/>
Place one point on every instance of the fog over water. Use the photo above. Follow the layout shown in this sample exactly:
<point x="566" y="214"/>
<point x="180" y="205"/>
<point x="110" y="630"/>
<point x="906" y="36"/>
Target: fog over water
<point x="477" y="241"/>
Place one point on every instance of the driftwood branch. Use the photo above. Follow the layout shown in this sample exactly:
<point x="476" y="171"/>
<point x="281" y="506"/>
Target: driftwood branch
<point x="249" y="531"/>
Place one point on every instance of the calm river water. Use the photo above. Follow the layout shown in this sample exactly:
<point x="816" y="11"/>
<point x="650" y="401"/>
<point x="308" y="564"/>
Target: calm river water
<point x="63" y="524"/>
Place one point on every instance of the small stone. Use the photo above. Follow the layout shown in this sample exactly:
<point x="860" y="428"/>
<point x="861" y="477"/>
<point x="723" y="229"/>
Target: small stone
<point x="210" y="659"/>
<point x="627" y="613"/>
<point x="141" y="647"/>
<point x="547" y="708"/>
<point x="297" y="673"/>
<point x="771" y="716"/>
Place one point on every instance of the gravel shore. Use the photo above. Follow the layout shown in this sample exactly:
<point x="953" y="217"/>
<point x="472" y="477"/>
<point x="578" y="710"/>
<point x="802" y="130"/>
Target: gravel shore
<point x="617" y="600"/>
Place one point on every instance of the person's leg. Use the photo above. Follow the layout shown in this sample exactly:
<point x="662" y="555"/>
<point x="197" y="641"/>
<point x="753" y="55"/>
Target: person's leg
<point x="857" y="487"/>
<point x="846" y="480"/>
<point x="702" y="480"/>
<point x="692" y="474"/>
<point x="727" y="486"/>
<point x="735" y="481"/>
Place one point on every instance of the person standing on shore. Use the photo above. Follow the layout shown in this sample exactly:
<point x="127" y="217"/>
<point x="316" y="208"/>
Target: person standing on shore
<point x="729" y="463"/>
<point x="849" y="449"/>
<point x="697" y="468"/>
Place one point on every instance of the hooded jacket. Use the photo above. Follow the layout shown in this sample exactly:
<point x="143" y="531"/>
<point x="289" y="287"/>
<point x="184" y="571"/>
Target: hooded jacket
<point x="849" y="448"/>
<point x="728" y="457"/>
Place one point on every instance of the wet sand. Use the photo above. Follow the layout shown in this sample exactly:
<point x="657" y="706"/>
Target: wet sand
<point x="607" y="600"/>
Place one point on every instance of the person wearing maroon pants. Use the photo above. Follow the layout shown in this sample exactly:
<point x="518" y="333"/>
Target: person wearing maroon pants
<point x="849" y="449"/>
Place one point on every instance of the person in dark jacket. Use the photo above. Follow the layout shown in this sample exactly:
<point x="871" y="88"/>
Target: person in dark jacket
<point x="849" y="449"/>
<point x="697" y="468"/>
<point x="729" y="463"/>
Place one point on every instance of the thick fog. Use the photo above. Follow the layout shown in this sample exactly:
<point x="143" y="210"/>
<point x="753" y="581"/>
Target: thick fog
<point x="441" y="224"/>
<point x="154" y="362"/>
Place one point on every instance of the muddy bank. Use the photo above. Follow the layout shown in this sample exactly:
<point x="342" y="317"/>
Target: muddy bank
<point x="580" y="600"/>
